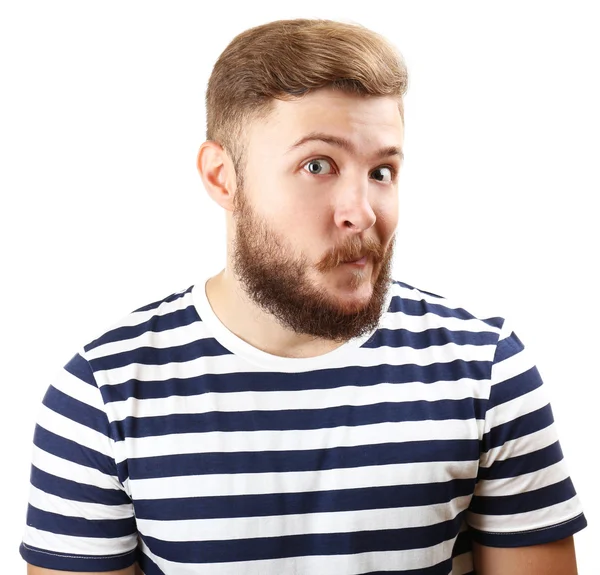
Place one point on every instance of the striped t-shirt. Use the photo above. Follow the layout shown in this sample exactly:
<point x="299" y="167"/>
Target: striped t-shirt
<point x="171" y="441"/>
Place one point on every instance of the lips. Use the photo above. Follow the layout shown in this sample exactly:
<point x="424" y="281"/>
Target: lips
<point x="360" y="261"/>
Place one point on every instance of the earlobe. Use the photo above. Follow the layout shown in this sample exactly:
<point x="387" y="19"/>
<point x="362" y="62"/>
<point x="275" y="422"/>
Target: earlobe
<point x="216" y="170"/>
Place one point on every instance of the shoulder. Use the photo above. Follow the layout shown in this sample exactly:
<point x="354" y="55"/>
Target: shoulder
<point x="160" y="324"/>
<point x="428" y="307"/>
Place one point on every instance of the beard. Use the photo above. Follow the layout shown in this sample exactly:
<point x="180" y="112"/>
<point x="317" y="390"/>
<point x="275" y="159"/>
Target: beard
<point x="278" y="282"/>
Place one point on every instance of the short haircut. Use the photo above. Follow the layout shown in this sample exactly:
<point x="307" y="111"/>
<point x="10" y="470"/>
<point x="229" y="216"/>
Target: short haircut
<point x="287" y="59"/>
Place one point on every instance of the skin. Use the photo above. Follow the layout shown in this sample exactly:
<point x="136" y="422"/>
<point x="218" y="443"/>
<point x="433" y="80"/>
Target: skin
<point x="318" y="220"/>
<point x="556" y="558"/>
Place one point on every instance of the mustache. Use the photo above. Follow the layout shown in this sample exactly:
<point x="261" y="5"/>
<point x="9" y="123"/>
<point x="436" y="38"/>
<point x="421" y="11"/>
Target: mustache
<point x="352" y="250"/>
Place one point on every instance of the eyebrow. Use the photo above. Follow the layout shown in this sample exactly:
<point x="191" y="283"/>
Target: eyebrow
<point x="344" y="144"/>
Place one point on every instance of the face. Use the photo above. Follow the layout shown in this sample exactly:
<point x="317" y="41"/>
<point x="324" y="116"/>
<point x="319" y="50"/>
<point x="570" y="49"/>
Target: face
<point x="314" y="222"/>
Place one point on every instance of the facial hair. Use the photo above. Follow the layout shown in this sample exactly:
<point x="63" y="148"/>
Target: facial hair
<point x="277" y="281"/>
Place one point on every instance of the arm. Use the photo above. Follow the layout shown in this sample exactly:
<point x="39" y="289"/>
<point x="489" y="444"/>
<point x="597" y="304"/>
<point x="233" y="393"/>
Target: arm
<point x="80" y="517"/>
<point x="33" y="570"/>
<point x="524" y="509"/>
<point x="556" y="558"/>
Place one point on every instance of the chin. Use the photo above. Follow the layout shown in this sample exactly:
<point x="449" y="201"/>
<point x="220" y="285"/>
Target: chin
<point x="352" y="297"/>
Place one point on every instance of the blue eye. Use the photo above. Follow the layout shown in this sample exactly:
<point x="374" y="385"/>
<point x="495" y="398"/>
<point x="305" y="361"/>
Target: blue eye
<point x="383" y="174"/>
<point x="318" y="167"/>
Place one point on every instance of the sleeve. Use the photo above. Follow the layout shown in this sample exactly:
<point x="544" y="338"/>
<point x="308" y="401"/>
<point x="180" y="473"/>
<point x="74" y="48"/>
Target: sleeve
<point x="79" y="516"/>
<point x="524" y="495"/>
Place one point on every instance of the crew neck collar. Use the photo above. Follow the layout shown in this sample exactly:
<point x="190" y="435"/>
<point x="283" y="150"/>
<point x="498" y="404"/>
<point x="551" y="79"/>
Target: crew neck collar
<point x="243" y="349"/>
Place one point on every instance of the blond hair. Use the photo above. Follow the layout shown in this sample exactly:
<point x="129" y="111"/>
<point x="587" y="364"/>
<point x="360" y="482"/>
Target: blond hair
<point x="287" y="59"/>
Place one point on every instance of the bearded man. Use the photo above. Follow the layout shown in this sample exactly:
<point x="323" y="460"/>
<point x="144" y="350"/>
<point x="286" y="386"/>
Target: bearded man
<point x="302" y="412"/>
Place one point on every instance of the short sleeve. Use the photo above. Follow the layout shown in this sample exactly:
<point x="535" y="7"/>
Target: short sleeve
<point x="524" y="495"/>
<point x="79" y="516"/>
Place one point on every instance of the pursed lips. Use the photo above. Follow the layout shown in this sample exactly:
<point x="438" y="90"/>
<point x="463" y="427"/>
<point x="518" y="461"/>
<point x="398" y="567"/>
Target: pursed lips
<point x="361" y="261"/>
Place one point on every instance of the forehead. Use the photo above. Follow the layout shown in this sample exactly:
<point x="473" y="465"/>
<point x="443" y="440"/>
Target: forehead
<point x="367" y="122"/>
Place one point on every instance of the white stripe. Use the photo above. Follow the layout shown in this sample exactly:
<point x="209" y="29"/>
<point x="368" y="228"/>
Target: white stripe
<point x="522" y="483"/>
<point x="414" y="294"/>
<point x="243" y="401"/>
<point x="70" y="508"/>
<point x="72" y="471"/>
<point x="530" y="521"/>
<point x="421" y="323"/>
<point x="521" y="446"/>
<point x="302" y="481"/>
<point x="137" y="318"/>
<point x="517" y="407"/>
<point x="179" y="335"/>
<point x="292" y="440"/>
<point x="364" y="357"/>
<point x="73" y="431"/>
<point x="309" y="523"/>
<point x="512" y="366"/>
<point x="199" y="331"/>
<point x="506" y="331"/>
<point x="76" y="546"/>
<point x="354" y="564"/>
<point x="80" y="390"/>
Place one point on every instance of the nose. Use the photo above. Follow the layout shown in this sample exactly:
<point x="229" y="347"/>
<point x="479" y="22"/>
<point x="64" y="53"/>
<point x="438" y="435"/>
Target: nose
<point x="353" y="209"/>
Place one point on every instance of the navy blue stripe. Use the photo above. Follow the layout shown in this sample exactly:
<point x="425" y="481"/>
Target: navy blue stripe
<point x="431" y="337"/>
<point x="304" y="460"/>
<point x="147" y="355"/>
<point x="156" y="324"/>
<point x="532" y="537"/>
<point x="73" y="491"/>
<point x="463" y="544"/>
<point x="522" y="464"/>
<point x="274" y="504"/>
<point x="81" y="369"/>
<point x="323" y="379"/>
<point x="519" y="427"/>
<point x="69" y="562"/>
<point x="416" y="290"/>
<point x="294" y="419"/>
<point x="259" y="548"/>
<point x="516" y="386"/>
<point x="422" y="307"/>
<point x="508" y="347"/>
<point x="78" y="526"/>
<point x="396" y="303"/>
<point x="72" y="451"/>
<point x="76" y="410"/>
<point x="209" y="347"/>
<point x="171" y="298"/>
<point x="496" y="322"/>
<point x="524" y="502"/>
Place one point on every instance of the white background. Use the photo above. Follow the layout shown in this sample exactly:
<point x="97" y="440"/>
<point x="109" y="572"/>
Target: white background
<point x="102" y="211"/>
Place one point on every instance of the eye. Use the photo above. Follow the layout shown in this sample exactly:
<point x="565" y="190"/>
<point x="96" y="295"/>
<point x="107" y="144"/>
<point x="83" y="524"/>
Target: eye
<point x="319" y="166"/>
<point x="383" y="174"/>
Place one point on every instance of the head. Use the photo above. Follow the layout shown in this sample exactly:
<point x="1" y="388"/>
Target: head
<point x="304" y="144"/>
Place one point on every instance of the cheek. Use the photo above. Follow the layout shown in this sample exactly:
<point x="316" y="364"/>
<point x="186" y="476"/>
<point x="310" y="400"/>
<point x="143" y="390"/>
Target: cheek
<point x="387" y="215"/>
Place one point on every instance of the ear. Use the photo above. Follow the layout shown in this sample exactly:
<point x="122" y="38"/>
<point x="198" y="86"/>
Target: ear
<point x="217" y="172"/>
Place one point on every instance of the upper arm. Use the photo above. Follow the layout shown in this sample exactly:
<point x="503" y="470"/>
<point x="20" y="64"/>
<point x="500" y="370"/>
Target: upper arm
<point x="524" y="497"/>
<point x="556" y="558"/>
<point x="80" y="517"/>
<point x="33" y="570"/>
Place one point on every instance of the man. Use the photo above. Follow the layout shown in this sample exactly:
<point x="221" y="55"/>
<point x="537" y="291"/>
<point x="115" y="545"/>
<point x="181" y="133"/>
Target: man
<point x="301" y="412"/>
